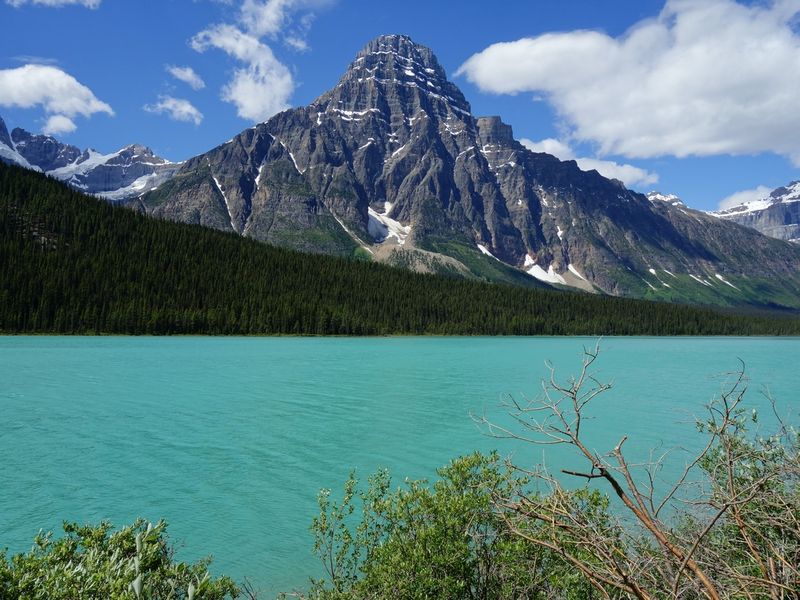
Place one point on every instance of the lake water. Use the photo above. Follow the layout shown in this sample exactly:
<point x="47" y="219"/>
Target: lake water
<point x="229" y="439"/>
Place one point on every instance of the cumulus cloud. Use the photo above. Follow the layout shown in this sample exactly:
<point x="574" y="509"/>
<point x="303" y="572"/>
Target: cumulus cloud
<point x="630" y="175"/>
<point x="738" y="198"/>
<point x="60" y="95"/>
<point x="187" y="75"/>
<point x="262" y="85"/>
<point x="259" y="89"/>
<point x="59" y="124"/>
<point x="176" y="109"/>
<point x="86" y="3"/>
<point x="550" y="146"/>
<point x="702" y="78"/>
<point x="271" y="17"/>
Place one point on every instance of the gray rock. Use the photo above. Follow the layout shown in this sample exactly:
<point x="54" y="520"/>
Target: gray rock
<point x="5" y="138"/>
<point x="44" y="151"/>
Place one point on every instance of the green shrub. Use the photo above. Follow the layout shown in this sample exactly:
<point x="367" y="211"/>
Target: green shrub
<point x="97" y="563"/>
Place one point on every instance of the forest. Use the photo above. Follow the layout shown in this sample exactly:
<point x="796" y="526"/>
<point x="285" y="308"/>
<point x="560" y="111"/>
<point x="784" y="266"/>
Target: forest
<point x="74" y="264"/>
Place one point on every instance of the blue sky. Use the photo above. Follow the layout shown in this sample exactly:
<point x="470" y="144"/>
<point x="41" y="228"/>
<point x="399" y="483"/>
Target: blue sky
<point x="693" y="97"/>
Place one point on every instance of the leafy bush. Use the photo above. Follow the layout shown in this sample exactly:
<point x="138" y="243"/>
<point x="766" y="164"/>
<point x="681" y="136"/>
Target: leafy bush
<point x="96" y="563"/>
<point x="444" y="540"/>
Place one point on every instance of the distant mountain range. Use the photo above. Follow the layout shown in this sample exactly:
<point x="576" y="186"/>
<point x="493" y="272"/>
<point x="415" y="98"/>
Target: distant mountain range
<point x="124" y="174"/>
<point x="392" y="164"/>
<point x="776" y="215"/>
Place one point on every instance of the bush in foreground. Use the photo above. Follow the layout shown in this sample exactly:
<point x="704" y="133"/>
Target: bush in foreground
<point x="96" y="563"/>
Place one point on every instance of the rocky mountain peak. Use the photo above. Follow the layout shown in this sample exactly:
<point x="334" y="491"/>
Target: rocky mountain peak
<point x="776" y="215"/>
<point x="671" y="199"/>
<point x="400" y="52"/>
<point x="138" y="153"/>
<point x="395" y="76"/>
<point x="44" y="151"/>
<point x="116" y="176"/>
<point x="787" y="193"/>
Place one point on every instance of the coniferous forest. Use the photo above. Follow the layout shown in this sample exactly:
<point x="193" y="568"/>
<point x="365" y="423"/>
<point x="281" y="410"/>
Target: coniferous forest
<point x="73" y="264"/>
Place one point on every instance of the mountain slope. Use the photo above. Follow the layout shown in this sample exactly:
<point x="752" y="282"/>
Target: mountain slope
<point x="74" y="264"/>
<point x="127" y="173"/>
<point x="777" y="215"/>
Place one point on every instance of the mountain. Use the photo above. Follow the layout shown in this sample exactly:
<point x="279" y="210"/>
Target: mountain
<point x="777" y="215"/>
<point x="391" y="163"/>
<point x="120" y="175"/>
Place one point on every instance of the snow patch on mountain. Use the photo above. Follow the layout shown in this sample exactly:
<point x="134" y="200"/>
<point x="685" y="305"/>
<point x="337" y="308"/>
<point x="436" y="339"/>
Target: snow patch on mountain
<point x="575" y="271"/>
<point x="381" y="227"/>
<point x="485" y="250"/>
<point x="145" y="183"/>
<point x="549" y="276"/>
<point x="671" y="199"/>
<point x="8" y="154"/>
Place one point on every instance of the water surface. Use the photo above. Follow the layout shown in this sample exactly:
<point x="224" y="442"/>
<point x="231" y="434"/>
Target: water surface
<point x="229" y="439"/>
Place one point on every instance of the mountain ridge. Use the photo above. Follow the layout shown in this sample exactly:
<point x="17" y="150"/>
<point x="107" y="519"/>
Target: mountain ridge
<point x="116" y="176"/>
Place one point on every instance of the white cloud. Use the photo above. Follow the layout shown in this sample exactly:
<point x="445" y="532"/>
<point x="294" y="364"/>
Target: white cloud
<point x="297" y="43"/>
<point x="702" y="78"/>
<point x="86" y="3"/>
<point x="177" y="109"/>
<point x="550" y="146"/>
<point x="263" y="85"/>
<point x="630" y="175"/>
<point x="187" y="75"/>
<point x="59" y="124"/>
<point x="60" y="95"/>
<point x="744" y="196"/>
<point x="271" y="17"/>
<point x="259" y="89"/>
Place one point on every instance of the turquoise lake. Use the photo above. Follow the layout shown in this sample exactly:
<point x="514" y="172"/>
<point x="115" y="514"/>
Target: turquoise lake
<point x="230" y="439"/>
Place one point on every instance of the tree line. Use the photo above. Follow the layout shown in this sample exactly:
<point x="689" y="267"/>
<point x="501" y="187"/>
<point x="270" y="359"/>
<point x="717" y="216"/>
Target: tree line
<point x="73" y="264"/>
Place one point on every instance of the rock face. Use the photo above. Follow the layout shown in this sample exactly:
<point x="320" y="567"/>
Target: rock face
<point x="44" y="151"/>
<point x="8" y="153"/>
<point x="5" y="139"/>
<point x="121" y="175"/>
<point x="777" y="215"/>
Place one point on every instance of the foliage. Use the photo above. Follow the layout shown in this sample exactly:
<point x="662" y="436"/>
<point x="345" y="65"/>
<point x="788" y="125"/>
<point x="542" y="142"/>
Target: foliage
<point x="440" y="540"/>
<point x="484" y="531"/>
<point x="96" y="563"/>
<point x="75" y="265"/>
